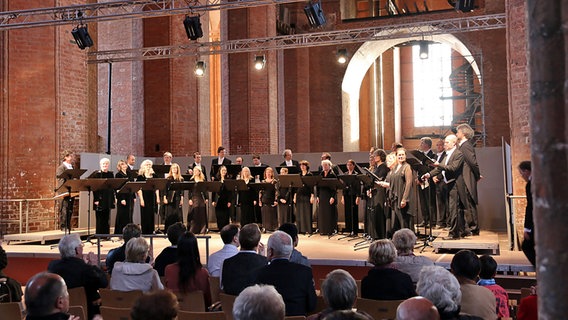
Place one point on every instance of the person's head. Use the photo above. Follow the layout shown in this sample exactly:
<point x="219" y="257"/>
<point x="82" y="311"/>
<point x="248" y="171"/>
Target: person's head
<point x="174" y="232"/>
<point x="379" y="155"/>
<point x="175" y="172"/>
<point x="121" y="165"/>
<point x="326" y="165"/>
<point x="425" y="143"/>
<point x="249" y="236"/>
<point x="197" y="157"/>
<point x="450" y="142"/>
<point x="525" y="170"/>
<point x="3" y="259"/>
<point x="259" y="302"/>
<point x="488" y="267"/>
<point x="221" y="152"/>
<point x="268" y="173"/>
<point x="305" y="165"/>
<point x="395" y="146"/>
<point x="326" y="156"/>
<point x="348" y="315"/>
<point x="464" y="131"/>
<point x="130" y="231"/>
<point x="404" y="240"/>
<point x="339" y="290"/>
<point x="417" y="308"/>
<point x="104" y="163"/>
<point x="198" y="174"/>
<point x="230" y="234"/>
<point x="137" y="250"/>
<point x="256" y="159"/>
<point x="46" y="294"/>
<point x="68" y="156"/>
<point x="382" y="252"/>
<point x="131" y="160"/>
<point x="350" y="164"/>
<point x="70" y="246"/>
<point x="245" y="173"/>
<point x="167" y="157"/>
<point x="155" y="305"/>
<point x="391" y="160"/>
<point x="440" y="145"/>
<point x="187" y="247"/>
<point x="440" y="287"/>
<point x="279" y="245"/>
<point x="284" y="170"/>
<point x="401" y="155"/>
<point x="287" y="154"/>
<point x="146" y="168"/>
<point x="465" y="264"/>
<point x="291" y="230"/>
<point x="239" y="160"/>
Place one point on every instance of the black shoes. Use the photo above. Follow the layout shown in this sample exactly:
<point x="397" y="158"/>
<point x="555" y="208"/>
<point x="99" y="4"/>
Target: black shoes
<point x="450" y="238"/>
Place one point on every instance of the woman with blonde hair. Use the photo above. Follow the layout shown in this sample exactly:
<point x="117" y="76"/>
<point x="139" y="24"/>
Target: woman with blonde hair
<point x="222" y="200"/>
<point x="173" y="199"/>
<point x="123" y="200"/>
<point x="149" y="199"/>
<point x="197" y="216"/>
<point x="247" y="199"/>
<point x="267" y="202"/>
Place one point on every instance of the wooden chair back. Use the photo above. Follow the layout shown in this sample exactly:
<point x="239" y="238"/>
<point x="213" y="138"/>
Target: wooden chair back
<point x="525" y="292"/>
<point x="186" y="315"/>
<point x="379" y="309"/>
<point x="119" y="299"/>
<point x="215" y="286"/>
<point x="78" y="311"/>
<point x="110" y="313"/>
<point x="227" y="302"/>
<point x="10" y="310"/>
<point x="78" y="297"/>
<point x="192" y="301"/>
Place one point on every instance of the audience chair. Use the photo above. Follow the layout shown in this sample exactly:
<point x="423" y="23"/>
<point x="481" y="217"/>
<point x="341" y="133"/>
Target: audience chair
<point x="295" y="318"/>
<point x="191" y="301"/>
<point x="119" y="299"/>
<point x="78" y="311"/>
<point x="186" y="315"/>
<point x="78" y="297"/>
<point x="320" y="305"/>
<point x="10" y="310"/>
<point x="215" y="286"/>
<point x="110" y="313"/>
<point x="378" y="309"/>
<point x="358" y="288"/>
<point x="227" y="302"/>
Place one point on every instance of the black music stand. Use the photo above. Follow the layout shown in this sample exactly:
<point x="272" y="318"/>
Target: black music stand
<point x="351" y="181"/>
<point x="68" y="174"/>
<point x="89" y="185"/>
<point x="161" y="169"/>
<point x="257" y="172"/>
<point x="235" y="186"/>
<point x="422" y="164"/>
<point x="97" y="174"/>
<point x="290" y="181"/>
<point x="233" y="170"/>
<point x="213" y="187"/>
<point x="311" y="182"/>
<point x="331" y="183"/>
<point x="156" y="184"/>
<point x="291" y="170"/>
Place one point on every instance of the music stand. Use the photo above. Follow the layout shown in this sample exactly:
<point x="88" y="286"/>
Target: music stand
<point x="70" y="174"/>
<point x="351" y="181"/>
<point x="156" y="184"/>
<point x="422" y="165"/>
<point x="290" y="181"/>
<point x="331" y="183"/>
<point x="89" y="185"/>
<point x="291" y="170"/>
<point x="233" y="170"/>
<point x="97" y="174"/>
<point x="257" y="171"/>
<point x="161" y="169"/>
<point x="235" y="186"/>
<point x="311" y="182"/>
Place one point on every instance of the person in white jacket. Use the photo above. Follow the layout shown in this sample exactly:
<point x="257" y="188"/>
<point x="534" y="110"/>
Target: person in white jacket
<point x="134" y="273"/>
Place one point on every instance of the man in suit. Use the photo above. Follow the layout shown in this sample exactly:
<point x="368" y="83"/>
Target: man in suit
<point x="216" y="162"/>
<point x="451" y="168"/>
<point x="240" y="270"/>
<point x="256" y="161"/>
<point x="528" y="234"/>
<point x="471" y="175"/>
<point x="441" y="189"/>
<point x="197" y="163"/>
<point x="288" y="162"/>
<point x="293" y="281"/>
<point x="66" y="206"/>
<point x="426" y="193"/>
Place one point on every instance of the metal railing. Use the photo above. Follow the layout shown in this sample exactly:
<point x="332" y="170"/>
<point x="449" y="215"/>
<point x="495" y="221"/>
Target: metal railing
<point x="21" y="203"/>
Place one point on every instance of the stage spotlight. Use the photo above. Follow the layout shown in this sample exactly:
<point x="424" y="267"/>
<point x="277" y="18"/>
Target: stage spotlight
<point x="82" y="37"/>
<point x="199" y="68"/>
<point x="192" y="27"/>
<point x="259" y="62"/>
<point x="342" y="56"/>
<point x="315" y="14"/>
<point x="462" y="5"/>
<point x="423" y="50"/>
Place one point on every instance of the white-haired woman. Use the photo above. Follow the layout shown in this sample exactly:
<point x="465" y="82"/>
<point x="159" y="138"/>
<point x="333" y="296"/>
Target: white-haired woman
<point x="197" y="216"/>
<point x="149" y="199"/>
<point x="104" y="199"/>
<point x="134" y="273"/>
<point x="405" y="261"/>
<point x="326" y="198"/>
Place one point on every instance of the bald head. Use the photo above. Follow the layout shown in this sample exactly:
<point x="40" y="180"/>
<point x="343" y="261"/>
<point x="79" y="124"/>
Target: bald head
<point x="417" y="308"/>
<point x="46" y="293"/>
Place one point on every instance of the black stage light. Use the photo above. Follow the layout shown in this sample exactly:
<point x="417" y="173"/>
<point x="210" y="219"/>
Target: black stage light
<point x="259" y="62"/>
<point x="423" y="50"/>
<point x="82" y="37"/>
<point x="315" y="14"/>
<point x="342" y="56"/>
<point x="192" y="27"/>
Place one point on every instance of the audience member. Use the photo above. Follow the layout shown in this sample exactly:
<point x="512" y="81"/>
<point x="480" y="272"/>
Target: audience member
<point x="476" y="300"/>
<point x="487" y="280"/>
<point x="47" y="298"/>
<point x="293" y="281"/>
<point x="405" y="261"/>
<point x="348" y="315"/>
<point x="383" y="282"/>
<point x="239" y="271"/>
<point x="188" y="274"/>
<point x="79" y="273"/>
<point x="134" y="273"/>
<point x="169" y="254"/>
<point x="443" y="289"/>
<point x="528" y="308"/>
<point x="130" y="231"/>
<point x="156" y="305"/>
<point x="339" y="291"/>
<point x="259" y="302"/>
<point x="417" y="308"/>
<point x="230" y="237"/>
<point x="14" y="287"/>
<point x="296" y="256"/>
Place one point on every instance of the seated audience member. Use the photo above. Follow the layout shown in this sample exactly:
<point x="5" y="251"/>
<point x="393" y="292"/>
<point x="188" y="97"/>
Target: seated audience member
<point x="476" y="300"/>
<point x="528" y="307"/>
<point x="443" y="289"/>
<point x="417" y="308"/>
<point x="240" y="270"/>
<point x="487" y="280"/>
<point x="134" y="273"/>
<point x="384" y="282"/>
<point x="156" y="305"/>
<point x="259" y="302"/>
<point x="405" y="261"/>
<point x="293" y="281"/>
<point x="13" y="286"/>
<point x="339" y="291"/>
<point x="78" y="273"/>
<point x="348" y="315"/>
<point x="130" y="231"/>
<point x="47" y="298"/>
<point x="230" y="237"/>
<point x="296" y="256"/>
<point x="169" y="254"/>
<point x="187" y="274"/>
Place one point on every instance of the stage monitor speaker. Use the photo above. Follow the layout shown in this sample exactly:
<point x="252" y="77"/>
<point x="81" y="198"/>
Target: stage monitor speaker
<point x="315" y="14"/>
